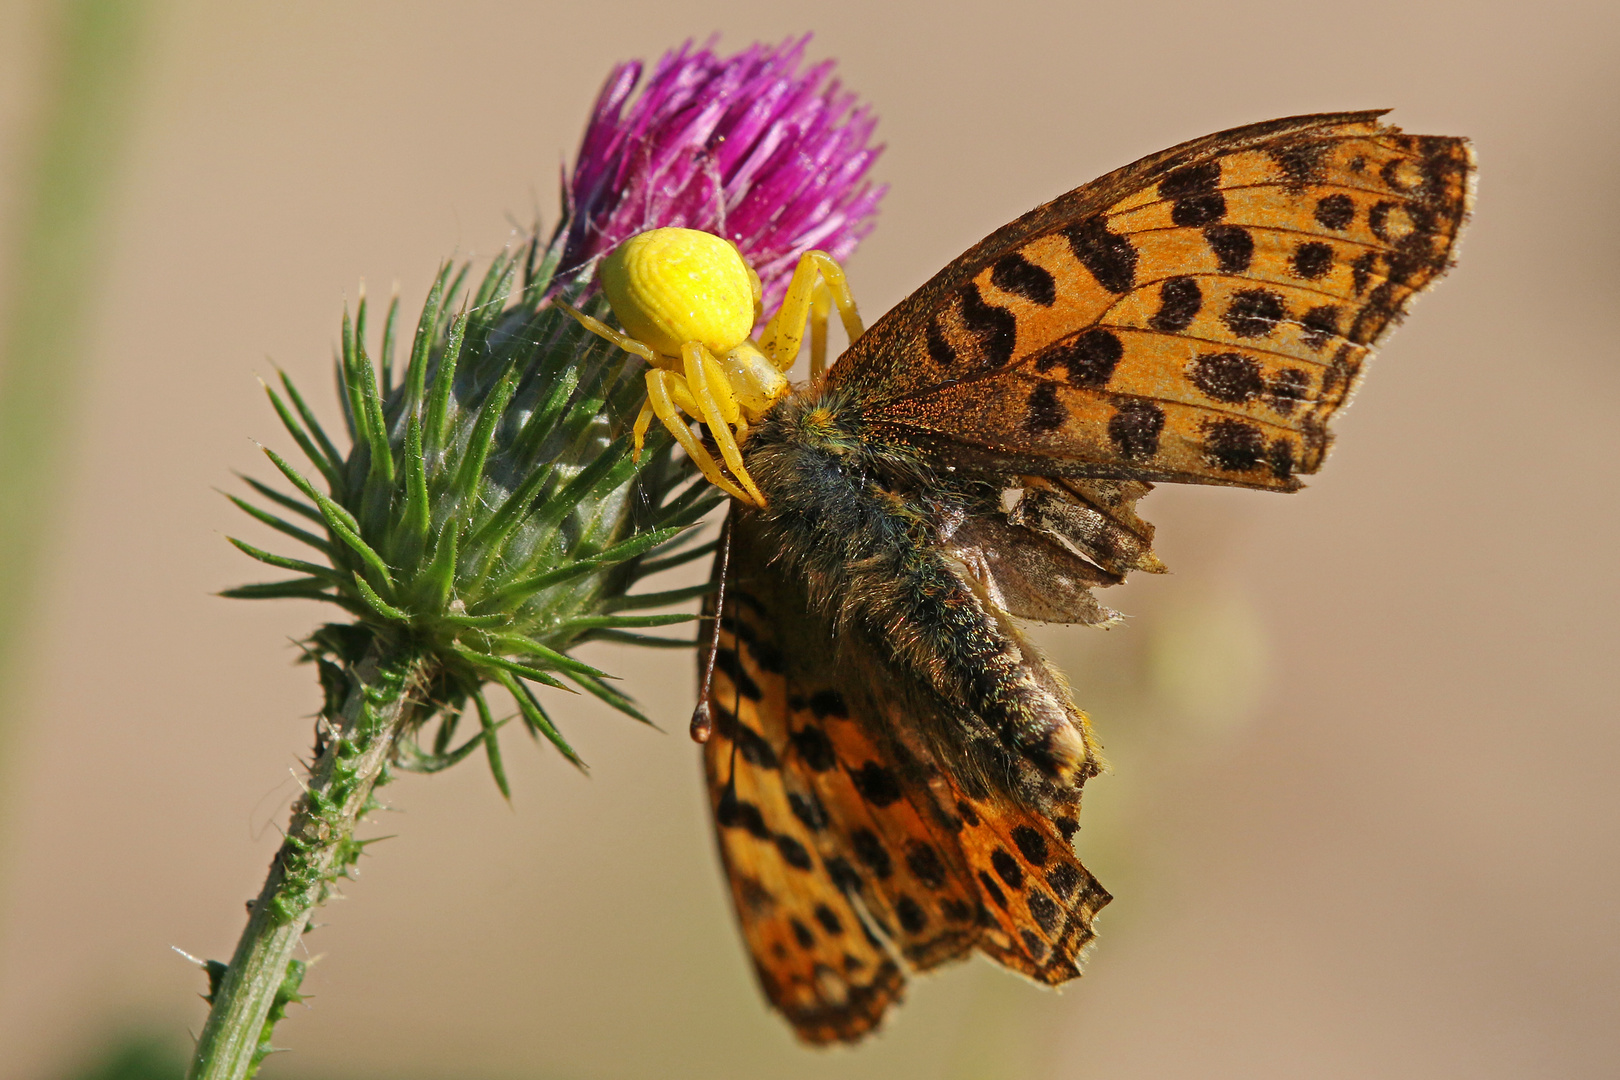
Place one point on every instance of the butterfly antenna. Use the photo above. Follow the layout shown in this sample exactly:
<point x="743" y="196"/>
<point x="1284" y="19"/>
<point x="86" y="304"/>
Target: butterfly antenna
<point x="703" y="716"/>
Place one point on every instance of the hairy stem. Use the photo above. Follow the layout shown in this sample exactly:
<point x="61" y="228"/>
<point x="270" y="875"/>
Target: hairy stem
<point x="249" y="994"/>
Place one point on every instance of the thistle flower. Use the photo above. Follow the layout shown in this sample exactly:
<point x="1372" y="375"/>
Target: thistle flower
<point x="488" y="515"/>
<point x="749" y="147"/>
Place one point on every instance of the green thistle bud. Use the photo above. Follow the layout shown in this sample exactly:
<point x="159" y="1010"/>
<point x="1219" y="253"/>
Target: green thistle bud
<point x="490" y="516"/>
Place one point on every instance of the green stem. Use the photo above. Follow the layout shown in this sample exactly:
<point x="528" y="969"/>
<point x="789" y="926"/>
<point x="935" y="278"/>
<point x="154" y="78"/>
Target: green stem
<point x="319" y="848"/>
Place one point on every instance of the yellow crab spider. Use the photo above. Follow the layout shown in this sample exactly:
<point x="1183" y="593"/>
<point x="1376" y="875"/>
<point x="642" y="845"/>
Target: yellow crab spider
<point x="687" y="301"/>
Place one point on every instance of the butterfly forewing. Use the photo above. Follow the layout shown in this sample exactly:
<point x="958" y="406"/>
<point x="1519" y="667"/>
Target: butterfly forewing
<point x="1197" y="316"/>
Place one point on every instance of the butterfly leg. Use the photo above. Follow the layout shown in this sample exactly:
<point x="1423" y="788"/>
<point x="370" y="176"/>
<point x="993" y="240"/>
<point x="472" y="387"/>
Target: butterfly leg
<point x="663" y="389"/>
<point x="784" y="333"/>
<point x="707" y="382"/>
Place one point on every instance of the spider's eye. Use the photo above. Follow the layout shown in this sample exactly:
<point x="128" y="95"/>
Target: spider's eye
<point x="671" y="286"/>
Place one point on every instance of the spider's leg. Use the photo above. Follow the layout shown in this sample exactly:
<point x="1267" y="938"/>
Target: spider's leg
<point x="663" y="406"/>
<point x="780" y="341"/>
<point x="706" y="379"/>
<point x="838" y="285"/>
<point x="644" y="419"/>
<point x="820" y="308"/>
<point x="603" y="330"/>
<point x="785" y="331"/>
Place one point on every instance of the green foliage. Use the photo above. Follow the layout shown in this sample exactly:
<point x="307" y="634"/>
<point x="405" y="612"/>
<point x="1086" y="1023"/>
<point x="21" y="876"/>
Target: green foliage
<point x="488" y="515"/>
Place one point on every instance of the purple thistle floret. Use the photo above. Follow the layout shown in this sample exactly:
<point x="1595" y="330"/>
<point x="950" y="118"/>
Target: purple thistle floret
<point x="748" y="147"/>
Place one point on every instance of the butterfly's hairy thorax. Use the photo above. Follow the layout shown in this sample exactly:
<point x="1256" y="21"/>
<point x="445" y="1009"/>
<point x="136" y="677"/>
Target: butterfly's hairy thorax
<point x="871" y="531"/>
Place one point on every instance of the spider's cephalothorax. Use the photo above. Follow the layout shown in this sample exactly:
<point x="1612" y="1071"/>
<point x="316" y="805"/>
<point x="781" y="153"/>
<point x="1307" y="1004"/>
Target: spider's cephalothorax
<point x="687" y="302"/>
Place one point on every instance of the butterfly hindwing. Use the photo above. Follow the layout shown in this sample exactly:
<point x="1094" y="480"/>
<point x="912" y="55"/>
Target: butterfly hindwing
<point x="1197" y="316"/>
<point x="817" y="959"/>
<point x="1039" y="897"/>
<point x="852" y="855"/>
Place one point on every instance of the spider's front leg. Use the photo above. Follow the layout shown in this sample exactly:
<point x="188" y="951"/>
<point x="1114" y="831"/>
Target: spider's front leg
<point x="718" y="409"/>
<point x="816" y="278"/>
<point x="667" y="396"/>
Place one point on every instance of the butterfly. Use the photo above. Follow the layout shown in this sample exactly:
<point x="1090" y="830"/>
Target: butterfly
<point x="895" y="772"/>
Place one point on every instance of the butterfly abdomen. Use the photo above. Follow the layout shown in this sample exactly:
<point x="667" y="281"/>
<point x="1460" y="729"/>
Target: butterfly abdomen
<point x="858" y="520"/>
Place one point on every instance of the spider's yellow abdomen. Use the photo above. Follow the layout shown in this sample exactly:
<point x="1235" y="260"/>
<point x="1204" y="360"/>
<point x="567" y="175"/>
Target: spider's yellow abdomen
<point x="672" y="286"/>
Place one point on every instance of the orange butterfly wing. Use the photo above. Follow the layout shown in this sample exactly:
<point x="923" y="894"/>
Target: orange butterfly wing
<point x="1197" y="316"/>
<point x="851" y="854"/>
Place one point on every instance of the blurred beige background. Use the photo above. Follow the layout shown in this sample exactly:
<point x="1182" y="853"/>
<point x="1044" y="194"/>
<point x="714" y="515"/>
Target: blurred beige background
<point x="1363" y="819"/>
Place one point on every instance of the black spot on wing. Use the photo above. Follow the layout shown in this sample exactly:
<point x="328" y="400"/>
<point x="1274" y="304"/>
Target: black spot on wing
<point x="750" y="743"/>
<point x="1068" y="826"/>
<point x="1179" y="301"/>
<point x="830" y="922"/>
<point x="876" y="784"/>
<point x="808" y="809"/>
<point x="727" y="661"/>
<point x="992" y="890"/>
<point x="1280" y="455"/>
<point x="1044" y="412"/>
<point x="843" y="875"/>
<point x="1046" y="912"/>
<point x="1188" y="180"/>
<point x="1017" y="275"/>
<point x="1134" y="429"/>
<point x="767" y="657"/>
<point x="1319" y="325"/>
<point x="825" y="703"/>
<point x="793" y="852"/>
<point x="1313" y="259"/>
<point x="802" y="934"/>
<point x="969" y="815"/>
<point x="1033" y="944"/>
<point x="1110" y="258"/>
<point x="1233" y="247"/>
<point x="939" y="348"/>
<point x="1193" y="191"/>
<point x="995" y="329"/>
<point x="1233" y="446"/>
<point x="1335" y="212"/>
<point x="1064" y="879"/>
<point x="1254" y="313"/>
<point x="1229" y="377"/>
<point x="814" y="748"/>
<point x="1031" y="845"/>
<point x="1362" y="270"/>
<point x="1300" y="162"/>
<point x="1007" y="868"/>
<point x="925" y="864"/>
<point x="871" y="852"/>
<point x="734" y="813"/>
<point x="1089" y="359"/>
<point x="913" y="919"/>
